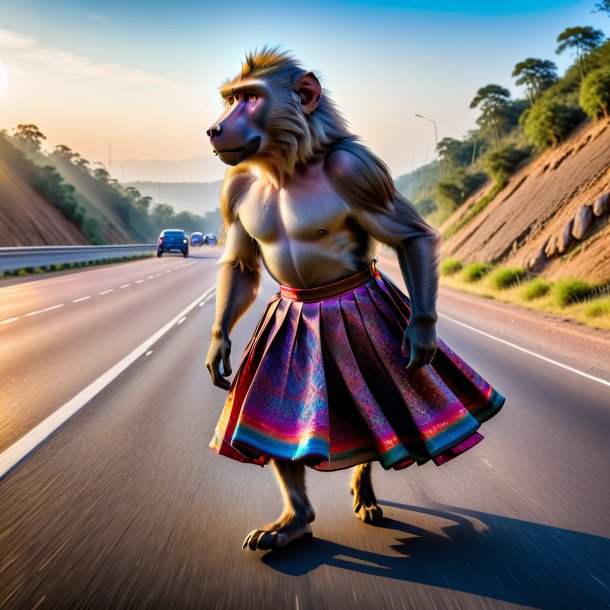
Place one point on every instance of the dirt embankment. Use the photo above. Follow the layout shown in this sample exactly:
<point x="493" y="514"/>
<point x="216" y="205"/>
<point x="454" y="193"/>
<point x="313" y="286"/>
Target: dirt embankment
<point x="26" y="219"/>
<point x="553" y="215"/>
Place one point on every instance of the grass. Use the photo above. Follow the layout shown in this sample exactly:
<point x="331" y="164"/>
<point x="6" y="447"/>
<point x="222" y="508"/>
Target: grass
<point x="571" y="299"/>
<point x="535" y="289"/>
<point x="475" y="271"/>
<point x="505" y="277"/>
<point x="570" y="290"/>
<point x="450" y="266"/>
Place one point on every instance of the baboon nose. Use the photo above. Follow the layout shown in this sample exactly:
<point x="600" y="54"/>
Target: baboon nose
<point x="214" y="131"/>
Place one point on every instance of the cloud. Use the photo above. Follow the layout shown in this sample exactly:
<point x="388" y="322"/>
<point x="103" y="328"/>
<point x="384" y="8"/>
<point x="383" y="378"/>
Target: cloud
<point x="99" y="17"/>
<point x="68" y="62"/>
<point x="15" y="40"/>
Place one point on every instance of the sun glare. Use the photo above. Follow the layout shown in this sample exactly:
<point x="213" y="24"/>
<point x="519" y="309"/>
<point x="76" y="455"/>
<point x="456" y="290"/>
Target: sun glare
<point x="2" y="77"/>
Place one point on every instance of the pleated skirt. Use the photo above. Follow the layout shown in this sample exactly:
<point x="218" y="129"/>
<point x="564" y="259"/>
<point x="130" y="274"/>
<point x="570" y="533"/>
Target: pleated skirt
<point x="323" y="380"/>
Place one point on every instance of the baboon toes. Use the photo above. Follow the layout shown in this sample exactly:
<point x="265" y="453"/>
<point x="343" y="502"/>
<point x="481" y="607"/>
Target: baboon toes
<point x="265" y="539"/>
<point x="369" y="514"/>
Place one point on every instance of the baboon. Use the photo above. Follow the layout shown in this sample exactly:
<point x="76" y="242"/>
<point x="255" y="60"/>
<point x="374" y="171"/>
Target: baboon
<point x="343" y="368"/>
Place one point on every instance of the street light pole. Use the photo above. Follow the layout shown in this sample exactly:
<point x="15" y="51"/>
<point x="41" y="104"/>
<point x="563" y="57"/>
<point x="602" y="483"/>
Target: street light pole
<point x="110" y="154"/>
<point x="421" y="116"/>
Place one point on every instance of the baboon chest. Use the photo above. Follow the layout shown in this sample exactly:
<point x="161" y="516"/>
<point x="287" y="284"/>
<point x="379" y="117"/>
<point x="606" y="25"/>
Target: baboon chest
<point x="303" y="212"/>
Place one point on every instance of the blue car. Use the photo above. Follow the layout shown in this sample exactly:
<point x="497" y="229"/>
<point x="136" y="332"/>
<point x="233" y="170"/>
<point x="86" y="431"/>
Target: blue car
<point x="173" y="240"/>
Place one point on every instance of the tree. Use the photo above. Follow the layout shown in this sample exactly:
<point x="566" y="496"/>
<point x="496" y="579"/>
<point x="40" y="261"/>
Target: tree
<point x="536" y="75"/>
<point x="502" y="162"/>
<point x="595" y="93"/>
<point x="583" y="40"/>
<point x="454" y="153"/>
<point x="493" y="101"/>
<point x="548" y="122"/>
<point x="29" y="135"/>
<point x="602" y="7"/>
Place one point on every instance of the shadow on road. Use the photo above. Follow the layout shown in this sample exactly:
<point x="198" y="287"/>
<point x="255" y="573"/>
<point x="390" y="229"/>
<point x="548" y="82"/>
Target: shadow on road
<point x="482" y="554"/>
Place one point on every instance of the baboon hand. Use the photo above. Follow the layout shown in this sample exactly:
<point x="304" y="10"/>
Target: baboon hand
<point x="220" y="350"/>
<point x="419" y="344"/>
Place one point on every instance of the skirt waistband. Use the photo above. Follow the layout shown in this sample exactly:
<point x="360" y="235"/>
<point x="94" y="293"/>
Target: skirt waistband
<point x="319" y="293"/>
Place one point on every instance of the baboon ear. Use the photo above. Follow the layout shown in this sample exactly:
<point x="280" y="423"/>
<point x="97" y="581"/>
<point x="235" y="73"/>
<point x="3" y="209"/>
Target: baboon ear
<point x="309" y="90"/>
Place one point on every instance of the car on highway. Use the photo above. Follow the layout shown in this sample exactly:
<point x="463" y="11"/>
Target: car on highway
<point x="173" y="240"/>
<point x="210" y="239"/>
<point x="197" y="239"/>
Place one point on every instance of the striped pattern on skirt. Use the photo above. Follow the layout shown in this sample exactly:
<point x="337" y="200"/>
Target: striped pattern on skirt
<point x="325" y="381"/>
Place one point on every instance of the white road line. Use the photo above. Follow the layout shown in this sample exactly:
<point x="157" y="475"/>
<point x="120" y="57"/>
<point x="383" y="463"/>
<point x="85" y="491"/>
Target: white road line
<point x="180" y="321"/>
<point x="139" y="281"/>
<point x="106" y="291"/>
<point x="35" y="313"/>
<point x="81" y="299"/>
<point x="9" y="320"/>
<point x="208" y="298"/>
<point x="168" y="271"/>
<point x="21" y="449"/>
<point x="526" y="351"/>
<point x="124" y="285"/>
<point x="150" y="277"/>
<point x="157" y="274"/>
<point x="149" y="352"/>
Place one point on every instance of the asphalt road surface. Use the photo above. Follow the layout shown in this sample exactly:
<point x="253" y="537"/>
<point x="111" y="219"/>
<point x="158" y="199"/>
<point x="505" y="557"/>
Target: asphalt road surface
<point x="124" y="506"/>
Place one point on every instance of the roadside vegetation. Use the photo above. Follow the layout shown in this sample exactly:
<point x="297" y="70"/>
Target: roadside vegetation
<point x="570" y="298"/>
<point x="104" y="210"/>
<point x="512" y="130"/>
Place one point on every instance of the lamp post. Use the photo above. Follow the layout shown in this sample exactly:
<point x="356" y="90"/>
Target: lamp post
<point x="421" y="116"/>
<point x="110" y="153"/>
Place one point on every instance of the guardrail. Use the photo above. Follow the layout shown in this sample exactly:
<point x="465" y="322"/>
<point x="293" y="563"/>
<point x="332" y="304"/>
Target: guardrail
<point x="12" y="259"/>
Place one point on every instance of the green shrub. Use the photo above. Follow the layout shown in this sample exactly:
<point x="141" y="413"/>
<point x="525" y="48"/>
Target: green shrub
<point x="507" y="277"/>
<point x="475" y="271"/>
<point x="598" y="308"/>
<point x="502" y="162"/>
<point x="535" y="289"/>
<point x="595" y="93"/>
<point x="549" y="121"/>
<point x="450" y="266"/>
<point x="570" y="290"/>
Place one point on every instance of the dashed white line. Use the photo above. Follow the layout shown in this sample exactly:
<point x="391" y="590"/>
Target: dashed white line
<point x="19" y="450"/>
<point x="9" y="320"/>
<point x="168" y="271"/>
<point x="106" y="291"/>
<point x="125" y="285"/>
<point x="148" y="353"/>
<point x="181" y="320"/>
<point x="526" y="351"/>
<point x="139" y="281"/>
<point x="158" y="274"/>
<point x="81" y="299"/>
<point x="35" y="313"/>
<point x="150" y="277"/>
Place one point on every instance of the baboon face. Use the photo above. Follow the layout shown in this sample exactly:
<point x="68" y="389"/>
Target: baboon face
<point x="239" y="133"/>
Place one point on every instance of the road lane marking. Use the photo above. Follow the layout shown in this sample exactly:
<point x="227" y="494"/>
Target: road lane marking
<point x="9" y="320"/>
<point x="35" y="313"/>
<point x="150" y="277"/>
<point x="26" y="445"/>
<point x="208" y="298"/>
<point x="180" y="321"/>
<point x="106" y="291"/>
<point x="149" y="352"/>
<point x="139" y="281"/>
<point x="527" y="351"/>
<point x="124" y="285"/>
<point x="81" y="299"/>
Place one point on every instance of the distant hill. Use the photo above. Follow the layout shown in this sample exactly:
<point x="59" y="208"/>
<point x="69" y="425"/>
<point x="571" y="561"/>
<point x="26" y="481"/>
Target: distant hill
<point x="193" y="169"/>
<point x="195" y="197"/>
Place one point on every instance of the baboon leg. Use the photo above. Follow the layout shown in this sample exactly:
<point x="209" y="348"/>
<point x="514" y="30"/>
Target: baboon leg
<point x="298" y="513"/>
<point x="365" y="503"/>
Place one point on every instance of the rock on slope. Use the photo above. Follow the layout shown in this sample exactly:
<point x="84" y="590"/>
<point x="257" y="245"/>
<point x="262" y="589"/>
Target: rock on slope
<point x="552" y="216"/>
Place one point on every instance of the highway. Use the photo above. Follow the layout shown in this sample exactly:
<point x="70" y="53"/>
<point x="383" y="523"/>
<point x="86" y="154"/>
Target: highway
<point x="124" y="506"/>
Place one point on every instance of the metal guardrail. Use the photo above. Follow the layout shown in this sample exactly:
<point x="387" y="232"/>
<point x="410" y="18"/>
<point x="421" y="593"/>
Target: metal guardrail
<point x="12" y="259"/>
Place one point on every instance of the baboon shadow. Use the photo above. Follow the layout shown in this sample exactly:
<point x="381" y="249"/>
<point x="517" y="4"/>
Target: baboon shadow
<point x="501" y="558"/>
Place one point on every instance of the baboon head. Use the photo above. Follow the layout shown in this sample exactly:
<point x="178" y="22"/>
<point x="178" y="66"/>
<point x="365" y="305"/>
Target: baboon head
<point x="275" y="115"/>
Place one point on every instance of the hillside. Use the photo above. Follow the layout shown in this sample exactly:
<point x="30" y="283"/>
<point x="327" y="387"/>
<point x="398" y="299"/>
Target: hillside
<point x="195" y="197"/>
<point x="552" y="216"/>
<point x="29" y="220"/>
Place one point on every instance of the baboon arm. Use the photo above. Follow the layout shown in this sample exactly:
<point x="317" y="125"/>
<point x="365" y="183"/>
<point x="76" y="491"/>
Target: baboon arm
<point x="367" y="187"/>
<point x="238" y="279"/>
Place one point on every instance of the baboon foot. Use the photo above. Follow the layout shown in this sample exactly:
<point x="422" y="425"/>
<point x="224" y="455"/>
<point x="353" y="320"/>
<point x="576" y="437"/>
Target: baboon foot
<point x="277" y="535"/>
<point x="365" y="502"/>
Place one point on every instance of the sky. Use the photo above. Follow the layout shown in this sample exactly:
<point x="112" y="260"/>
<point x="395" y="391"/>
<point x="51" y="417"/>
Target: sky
<point x="142" y="77"/>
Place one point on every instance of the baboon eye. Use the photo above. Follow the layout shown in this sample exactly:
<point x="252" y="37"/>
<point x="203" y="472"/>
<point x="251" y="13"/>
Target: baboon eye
<point x="251" y="97"/>
<point x="231" y="100"/>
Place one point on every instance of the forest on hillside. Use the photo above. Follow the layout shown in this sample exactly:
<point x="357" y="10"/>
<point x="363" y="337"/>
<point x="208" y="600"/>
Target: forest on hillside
<point x="103" y="209"/>
<point x="511" y="131"/>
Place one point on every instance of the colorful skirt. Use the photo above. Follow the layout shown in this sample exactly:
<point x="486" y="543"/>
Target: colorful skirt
<point x="323" y="380"/>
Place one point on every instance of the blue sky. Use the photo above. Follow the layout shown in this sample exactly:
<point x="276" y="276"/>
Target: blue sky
<point x="147" y="72"/>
